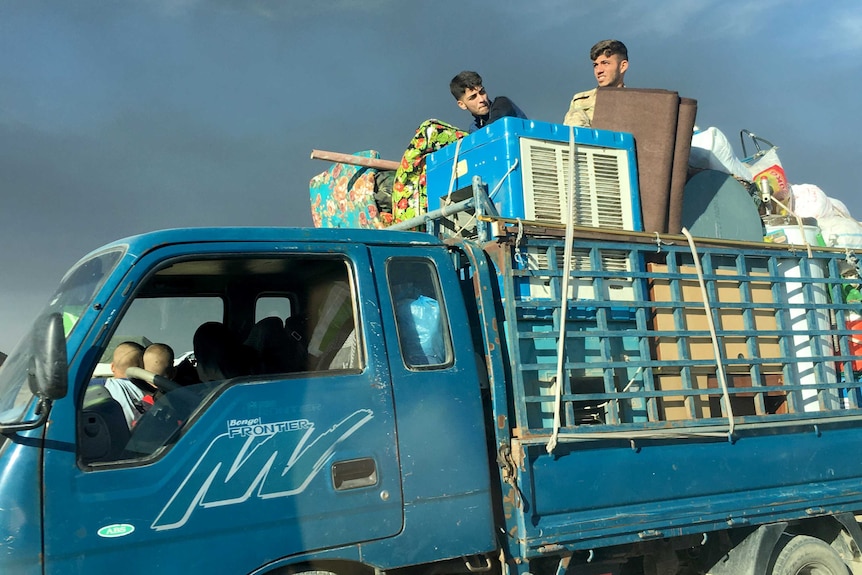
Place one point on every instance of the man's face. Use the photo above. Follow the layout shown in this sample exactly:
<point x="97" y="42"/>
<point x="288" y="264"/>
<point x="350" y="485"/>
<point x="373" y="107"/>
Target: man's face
<point x="609" y="70"/>
<point x="475" y="101"/>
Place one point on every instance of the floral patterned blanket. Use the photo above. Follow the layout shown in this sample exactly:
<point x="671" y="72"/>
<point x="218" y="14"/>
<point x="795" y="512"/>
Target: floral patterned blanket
<point x="409" y="194"/>
<point x="343" y="197"/>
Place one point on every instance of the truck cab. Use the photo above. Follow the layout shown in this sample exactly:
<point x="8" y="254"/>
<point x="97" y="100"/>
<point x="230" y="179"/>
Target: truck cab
<point x="285" y="445"/>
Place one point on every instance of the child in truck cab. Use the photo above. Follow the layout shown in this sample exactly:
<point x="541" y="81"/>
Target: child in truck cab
<point x="158" y="359"/>
<point x="128" y="394"/>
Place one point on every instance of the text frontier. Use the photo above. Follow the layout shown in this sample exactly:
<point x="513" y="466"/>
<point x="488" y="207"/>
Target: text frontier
<point x="254" y="427"/>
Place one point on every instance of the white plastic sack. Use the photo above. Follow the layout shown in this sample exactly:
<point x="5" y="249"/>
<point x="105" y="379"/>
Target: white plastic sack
<point x="710" y="150"/>
<point x="838" y="228"/>
<point x="840" y="232"/>
<point x="839" y="207"/>
<point x="809" y="201"/>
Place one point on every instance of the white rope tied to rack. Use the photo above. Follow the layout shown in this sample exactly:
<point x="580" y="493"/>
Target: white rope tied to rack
<point x="519" y="256"/>
<point x="722" y="379"/>
<point x="490" y="196"/>
<point x="798" y="223"/>
<point x="454" y="174"/>
<point x="627" y="386"/>
<point x="564" y="296"/>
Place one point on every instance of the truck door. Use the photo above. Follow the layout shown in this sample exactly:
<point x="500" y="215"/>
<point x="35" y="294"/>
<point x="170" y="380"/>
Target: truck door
<point x="271" y="458"/>
<point x="438" y="392"/>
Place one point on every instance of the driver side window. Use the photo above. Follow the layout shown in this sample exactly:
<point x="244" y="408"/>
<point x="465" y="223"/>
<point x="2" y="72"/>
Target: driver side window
<point x="195" y="326"/>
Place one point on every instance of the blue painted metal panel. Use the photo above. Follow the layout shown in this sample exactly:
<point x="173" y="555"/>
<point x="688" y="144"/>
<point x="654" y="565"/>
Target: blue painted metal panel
<point x="441" y="432"/>
<point x="271" y="236"/>
<point x="255" y="466"/>
<point x="610" y="492"/>
<point x="252" y="472"/>
<point x="666" y="454"/>
<point x="20" y="505"/>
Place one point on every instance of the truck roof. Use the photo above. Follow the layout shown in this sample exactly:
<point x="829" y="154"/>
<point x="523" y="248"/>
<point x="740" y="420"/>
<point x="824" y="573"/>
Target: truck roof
<point x="142" y="243"/>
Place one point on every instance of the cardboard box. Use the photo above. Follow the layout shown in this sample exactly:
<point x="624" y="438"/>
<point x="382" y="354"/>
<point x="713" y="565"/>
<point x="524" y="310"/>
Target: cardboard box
<point x="700" y="348"/>
<point x="729" y="320"/>
<point x="674" y="408"/>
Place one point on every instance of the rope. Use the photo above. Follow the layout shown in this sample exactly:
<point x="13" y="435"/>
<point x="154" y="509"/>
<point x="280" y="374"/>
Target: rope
<point x="715" y="347"/>
<point x="564" y="297"/>
<point x="798" y="223"/>
<point x="627" y="387"/>
<point x="519" y="257"/>
<point x="490" y="196"/>
<point x="454" y="175"/>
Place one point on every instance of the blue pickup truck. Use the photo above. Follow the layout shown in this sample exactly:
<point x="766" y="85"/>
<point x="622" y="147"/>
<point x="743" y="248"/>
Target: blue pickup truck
<point x="534" y="398"/>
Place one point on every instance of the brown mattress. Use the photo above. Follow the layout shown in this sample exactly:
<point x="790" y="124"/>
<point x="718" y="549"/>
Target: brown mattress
<point x="661" y="123"/>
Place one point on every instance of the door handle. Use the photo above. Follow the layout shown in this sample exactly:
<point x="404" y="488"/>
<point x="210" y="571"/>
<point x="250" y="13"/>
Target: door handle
<point x="354" y="473"/>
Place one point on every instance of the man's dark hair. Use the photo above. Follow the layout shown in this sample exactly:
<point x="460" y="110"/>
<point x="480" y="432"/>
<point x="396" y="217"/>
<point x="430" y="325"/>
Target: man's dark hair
<point x="609" y="48"/>
<point x="464" y="81"/>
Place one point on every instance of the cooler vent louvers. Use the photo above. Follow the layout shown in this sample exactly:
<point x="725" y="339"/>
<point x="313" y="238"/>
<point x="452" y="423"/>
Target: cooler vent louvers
<point x="614" y="267"/>
<point x="611" y="260"/>
<point x="603" y="191"/>
<point x="582" y="287"/>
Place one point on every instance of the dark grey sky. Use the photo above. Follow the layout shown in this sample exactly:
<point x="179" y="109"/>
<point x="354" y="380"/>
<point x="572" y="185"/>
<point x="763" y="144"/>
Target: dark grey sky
<point x="122" y="117"/>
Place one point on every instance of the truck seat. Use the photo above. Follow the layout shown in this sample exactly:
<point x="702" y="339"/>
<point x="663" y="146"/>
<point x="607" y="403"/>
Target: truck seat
<point x="219" y="354"/>
<point x="273" y="345"/>
<point x="102" y="428"/>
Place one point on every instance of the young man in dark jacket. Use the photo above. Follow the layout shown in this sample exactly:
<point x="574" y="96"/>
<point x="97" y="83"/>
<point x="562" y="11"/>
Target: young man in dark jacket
<point x="468" y="91"/>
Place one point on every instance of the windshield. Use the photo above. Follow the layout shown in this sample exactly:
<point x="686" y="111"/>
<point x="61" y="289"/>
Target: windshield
<point x="76" y="292"/>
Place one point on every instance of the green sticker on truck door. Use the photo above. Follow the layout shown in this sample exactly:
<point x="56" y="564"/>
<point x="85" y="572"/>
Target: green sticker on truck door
<point x="116" y="530"/>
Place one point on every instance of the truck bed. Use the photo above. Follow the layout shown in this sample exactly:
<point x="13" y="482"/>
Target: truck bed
<point x="691" y="401"/>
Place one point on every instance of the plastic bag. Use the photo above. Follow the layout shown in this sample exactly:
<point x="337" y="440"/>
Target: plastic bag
<point x="421" y="331"/>
<point x="841" y="232"/>
<point x="809" y="201"/>
<point x="710" y="150"/>
<point x="766" y="164"/>
<point x="769" y="166"/>
<point x="837" y="226"/>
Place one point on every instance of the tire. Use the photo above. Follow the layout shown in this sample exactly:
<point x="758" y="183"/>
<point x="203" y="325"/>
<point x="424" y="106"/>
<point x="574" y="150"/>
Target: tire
<point x="803" y="555"/>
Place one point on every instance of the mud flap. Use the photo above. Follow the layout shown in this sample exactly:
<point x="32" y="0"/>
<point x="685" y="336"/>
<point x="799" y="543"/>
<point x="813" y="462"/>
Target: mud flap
<point x="751" y="555"/>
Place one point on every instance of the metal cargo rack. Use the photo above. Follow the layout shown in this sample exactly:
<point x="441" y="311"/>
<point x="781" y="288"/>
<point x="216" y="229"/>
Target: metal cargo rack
<point x="655" y="348"/>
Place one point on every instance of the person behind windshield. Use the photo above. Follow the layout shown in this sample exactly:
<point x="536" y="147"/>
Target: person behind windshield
<point x="158" y="360"/>
<point x="128" y="395"/>
<point x="610" y="62"/>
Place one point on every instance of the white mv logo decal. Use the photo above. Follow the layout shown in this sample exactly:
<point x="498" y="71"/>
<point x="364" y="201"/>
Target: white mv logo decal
<point x="266" y="460"/>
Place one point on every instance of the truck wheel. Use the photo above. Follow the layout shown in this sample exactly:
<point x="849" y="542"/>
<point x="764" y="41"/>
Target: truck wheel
<point x="803" y="555"/>
<point x="302" y="570"/>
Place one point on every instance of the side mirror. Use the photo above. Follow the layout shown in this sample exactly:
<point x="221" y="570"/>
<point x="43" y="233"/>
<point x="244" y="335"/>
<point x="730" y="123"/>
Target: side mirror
<point x="48" y="377"/>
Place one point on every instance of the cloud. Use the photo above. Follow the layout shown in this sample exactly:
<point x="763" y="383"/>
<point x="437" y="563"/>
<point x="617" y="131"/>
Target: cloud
<point x="266" y="9"/>
<point x="627" y="19"/>
<point x="843" y="34"/>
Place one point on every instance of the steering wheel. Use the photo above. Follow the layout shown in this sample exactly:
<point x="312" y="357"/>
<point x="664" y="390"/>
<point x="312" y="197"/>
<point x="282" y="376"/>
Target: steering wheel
<point x="161" y="383"/>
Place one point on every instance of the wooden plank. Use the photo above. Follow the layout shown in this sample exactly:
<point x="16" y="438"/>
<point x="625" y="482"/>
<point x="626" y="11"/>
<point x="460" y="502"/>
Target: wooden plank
<point x="340" y="158"/>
